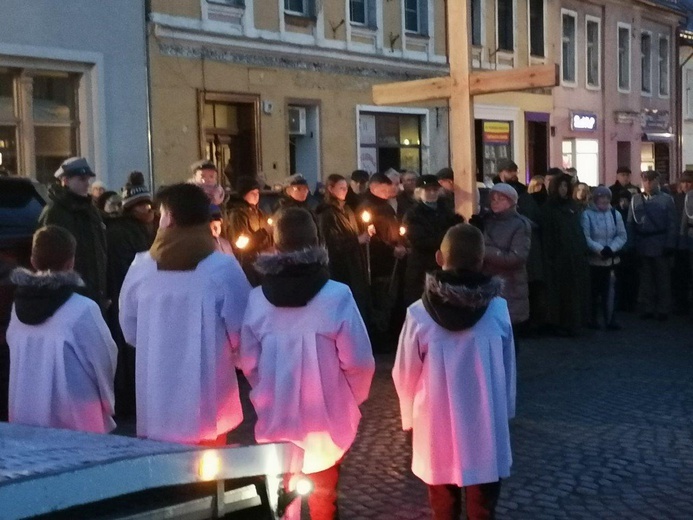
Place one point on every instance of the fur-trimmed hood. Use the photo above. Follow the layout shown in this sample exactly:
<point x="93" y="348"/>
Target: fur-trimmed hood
<point x="293" y="278"/>
<point x="456" y="300"/>
<point x="39" y="295"/>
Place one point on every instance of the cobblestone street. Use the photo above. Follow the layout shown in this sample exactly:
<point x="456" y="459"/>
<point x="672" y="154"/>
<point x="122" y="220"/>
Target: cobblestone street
<point x="604" y="429"/>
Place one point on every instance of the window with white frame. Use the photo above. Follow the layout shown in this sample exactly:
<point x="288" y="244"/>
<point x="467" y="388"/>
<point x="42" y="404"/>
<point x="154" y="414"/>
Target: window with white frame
<point x="664" y="66"/>
<point x="688" y="89"/>
<point x="623" y="57"/>
<point x="568" y="48"/>
<point x="300" y="7"/>
<point x="593" y="52"/>
<point x="505" y="25"/>
<point x="232" y="3"/>
<point x="416" y="16"/>
<point x="536" y="28"/>
<point x="39" y="122"/>
<point x="646" y="63"/>
<point x="476" y="6"/>
<point x="362" y="12"/>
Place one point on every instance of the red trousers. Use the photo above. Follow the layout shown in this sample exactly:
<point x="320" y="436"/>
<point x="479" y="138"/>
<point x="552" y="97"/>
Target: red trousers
<point x="322" y="503"/>
<point x="481" y="501"/>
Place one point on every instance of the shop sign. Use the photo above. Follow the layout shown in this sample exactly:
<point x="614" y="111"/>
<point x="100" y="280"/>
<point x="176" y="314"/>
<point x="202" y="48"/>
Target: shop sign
<point x="583" y="121"/>
<point x="496" y="132"/>
<point x="625" y="117"/>
<point x="655" y="120"/>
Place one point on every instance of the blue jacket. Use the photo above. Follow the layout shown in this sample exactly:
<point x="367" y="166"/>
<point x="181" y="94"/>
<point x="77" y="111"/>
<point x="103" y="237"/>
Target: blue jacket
<point x="603" y="229"/>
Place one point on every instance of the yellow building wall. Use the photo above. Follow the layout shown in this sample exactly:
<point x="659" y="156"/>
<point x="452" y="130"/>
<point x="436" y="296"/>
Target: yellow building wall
<point x="267" y="16"/>
<point x="186" y="8"/>
<point x="392" y="25"/>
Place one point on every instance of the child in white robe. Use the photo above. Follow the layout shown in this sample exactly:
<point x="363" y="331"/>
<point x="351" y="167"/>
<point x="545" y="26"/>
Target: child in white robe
<point x="62" y="355"/>
<point x="181" y="307"/>
<point x="455" y="378"/>
<point x="307" y="356"/>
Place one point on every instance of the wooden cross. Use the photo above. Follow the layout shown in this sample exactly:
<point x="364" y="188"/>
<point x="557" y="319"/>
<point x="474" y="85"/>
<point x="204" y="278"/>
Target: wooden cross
<point x="460" y="88"/>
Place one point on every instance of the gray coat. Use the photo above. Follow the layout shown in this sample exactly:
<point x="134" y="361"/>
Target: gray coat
<point x="652" y="223"/>
<point x="508" y="238"/>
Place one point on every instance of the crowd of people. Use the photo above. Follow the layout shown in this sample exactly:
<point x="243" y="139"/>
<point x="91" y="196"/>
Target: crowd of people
<point x="156" y="307"/>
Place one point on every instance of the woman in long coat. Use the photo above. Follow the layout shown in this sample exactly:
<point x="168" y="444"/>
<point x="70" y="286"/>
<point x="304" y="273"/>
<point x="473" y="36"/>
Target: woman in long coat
<point x="344" y="240"/>
<point x="565" y="258"/>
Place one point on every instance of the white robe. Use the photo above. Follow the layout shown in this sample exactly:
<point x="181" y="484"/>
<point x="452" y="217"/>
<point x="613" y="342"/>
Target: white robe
<point x="62" y="370"/>
<point x="185" y="326"/>
<point x="457" y="393"/>
<point x="310" y="368"/>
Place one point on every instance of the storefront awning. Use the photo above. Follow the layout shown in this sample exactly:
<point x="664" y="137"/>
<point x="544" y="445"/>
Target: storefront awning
<point x="658" y="137"/>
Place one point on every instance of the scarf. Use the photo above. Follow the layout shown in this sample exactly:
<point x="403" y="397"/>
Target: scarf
<point x="182" y="248"/>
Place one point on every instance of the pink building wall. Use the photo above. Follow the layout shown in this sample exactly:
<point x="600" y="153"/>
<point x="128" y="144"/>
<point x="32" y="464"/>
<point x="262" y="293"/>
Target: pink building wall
<point x="606" y="102"/>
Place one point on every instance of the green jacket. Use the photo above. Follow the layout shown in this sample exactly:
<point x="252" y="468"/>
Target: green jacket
<point x="81" y="218"/>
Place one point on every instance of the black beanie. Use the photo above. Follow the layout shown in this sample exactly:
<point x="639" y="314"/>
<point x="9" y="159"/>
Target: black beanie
<point x="295" y="229"/>
<point x="246" y="184"/>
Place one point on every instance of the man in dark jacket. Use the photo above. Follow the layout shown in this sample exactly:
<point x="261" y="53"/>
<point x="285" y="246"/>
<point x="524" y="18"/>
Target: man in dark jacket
<point x="71" y="207"/>
<point x="386" y="247"/>
<point x="247" y="219"/>
<point x="358" y="186"/>
<point x="681" y="272"/>
<point x="426" y="224"/>
<point x="622" y="184"/>
<point x="654" y="231"/>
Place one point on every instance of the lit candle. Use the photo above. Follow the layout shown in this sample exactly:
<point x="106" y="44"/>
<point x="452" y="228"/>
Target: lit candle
<point x="270" y="221"/>
<point x="366" y="216"/>
<point x="402" y="231"/>
<point x="242" y="242"/>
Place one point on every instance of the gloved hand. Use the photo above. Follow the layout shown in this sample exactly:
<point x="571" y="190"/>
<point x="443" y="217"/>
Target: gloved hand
<point x="607" y="252"/>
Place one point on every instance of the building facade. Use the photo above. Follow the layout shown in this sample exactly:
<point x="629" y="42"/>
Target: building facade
<point x="284" y="86"/>
<point x="73" y="81"/>
<point x="618" y="98"/>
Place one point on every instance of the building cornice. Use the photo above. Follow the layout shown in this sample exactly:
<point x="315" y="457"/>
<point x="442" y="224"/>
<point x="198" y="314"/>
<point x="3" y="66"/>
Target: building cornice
<point x="188" y="38"/>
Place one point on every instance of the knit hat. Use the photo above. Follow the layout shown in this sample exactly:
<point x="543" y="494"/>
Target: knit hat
<point x="74" y="166"/>
<point x="294" y="229"/>
<point x="427" y="181"/>
<point x="506" y="190"/>
<point x="296" y="180"/>
<point x="246" y="184"/>
<point x="446" y="174"/>
<point x="601" y="191"/>
<point x="135" y="191"/>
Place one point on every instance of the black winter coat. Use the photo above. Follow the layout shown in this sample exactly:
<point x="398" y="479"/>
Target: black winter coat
<point x="426" y="227"/>
<point x="386" y="234"/>
<point x="340" y="231"/>
<point x="250" y="221"/>
<point x="81" y="218"/>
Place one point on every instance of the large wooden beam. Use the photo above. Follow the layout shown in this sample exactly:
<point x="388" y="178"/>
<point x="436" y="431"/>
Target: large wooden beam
<point x="479" y="83"/>
<point x="513" y="79"/>
<point x="412" y="91"/>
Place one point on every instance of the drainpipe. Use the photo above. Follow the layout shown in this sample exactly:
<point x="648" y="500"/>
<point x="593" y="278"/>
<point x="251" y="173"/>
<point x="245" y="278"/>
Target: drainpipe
<point x="147" y="10"/>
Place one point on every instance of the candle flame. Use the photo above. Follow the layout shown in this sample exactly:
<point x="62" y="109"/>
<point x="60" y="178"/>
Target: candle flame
<point x="242" y="242"/>
<point x="366" y="217"/>
<point x="402" y="231"/>
<point x="270" y="221"/>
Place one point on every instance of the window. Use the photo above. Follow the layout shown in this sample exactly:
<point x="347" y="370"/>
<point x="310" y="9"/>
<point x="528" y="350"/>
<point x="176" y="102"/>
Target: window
<point x="362" y="12"/>
<point x="593" y="51"/>
<point x="568" y="54"/>
<point x="663" y="66"/>
<point x="583" y="155"/>
<point x="646" y="62"/>
<point x="536" y="28"/>
<point x="416" y="16"/>
<point x="299" y="7"/>
<point x="390" y="141"/>
<point x="38" y="139"/>
<point x="505" y="25"/>
<point x="476" y="22"/>
<point x="623" y="57"/>
<point x="232" y="3"/>
<point x="688" y="86"/>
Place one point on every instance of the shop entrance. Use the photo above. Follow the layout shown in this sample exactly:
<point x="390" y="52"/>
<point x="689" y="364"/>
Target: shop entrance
<point x="537" y="148"/>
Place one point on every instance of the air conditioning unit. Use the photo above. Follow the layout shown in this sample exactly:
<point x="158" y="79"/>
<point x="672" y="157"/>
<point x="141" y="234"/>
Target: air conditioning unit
<point x="297" y="120"/>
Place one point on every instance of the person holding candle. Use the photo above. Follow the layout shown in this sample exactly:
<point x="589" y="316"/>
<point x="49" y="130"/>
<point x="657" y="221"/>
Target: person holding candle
<point x="246" y="219"/>
<point x="344" y="240"/>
